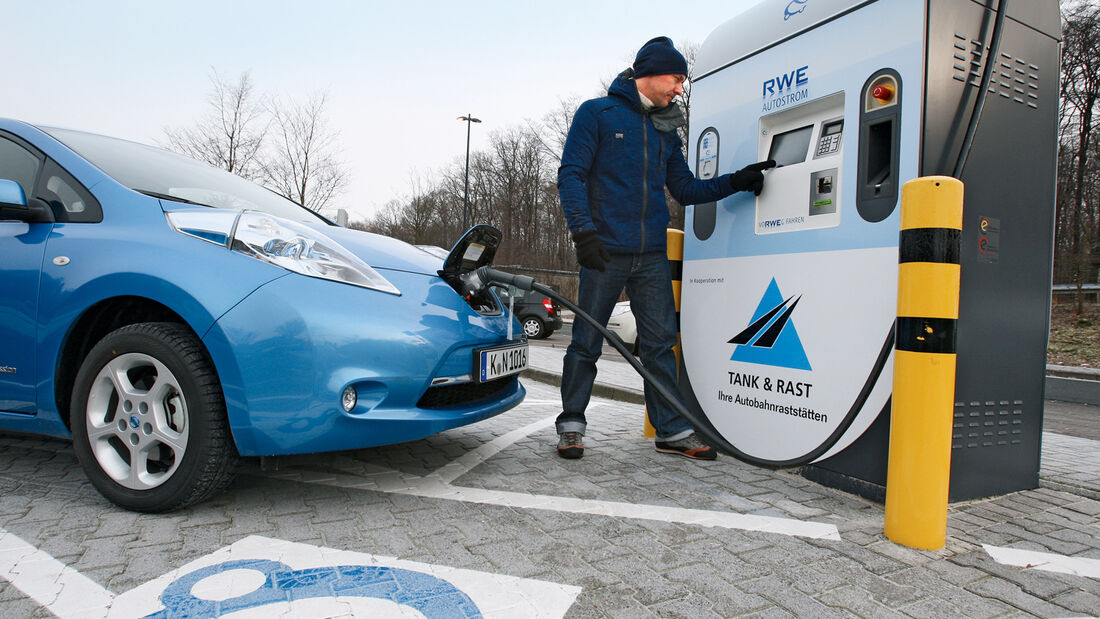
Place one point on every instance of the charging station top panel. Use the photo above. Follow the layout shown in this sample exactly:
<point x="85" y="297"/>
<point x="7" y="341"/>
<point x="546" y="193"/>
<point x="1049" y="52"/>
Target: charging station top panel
<point x="766" y="24"/>
<point x="773" y="21"/>
<point x="1041" y="16"/>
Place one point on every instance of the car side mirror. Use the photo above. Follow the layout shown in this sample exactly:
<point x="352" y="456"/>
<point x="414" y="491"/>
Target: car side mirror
<point x="14" y="205"/>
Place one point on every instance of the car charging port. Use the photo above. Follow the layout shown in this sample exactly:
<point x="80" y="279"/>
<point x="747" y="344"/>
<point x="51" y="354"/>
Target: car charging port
<point x="475" y="249"/>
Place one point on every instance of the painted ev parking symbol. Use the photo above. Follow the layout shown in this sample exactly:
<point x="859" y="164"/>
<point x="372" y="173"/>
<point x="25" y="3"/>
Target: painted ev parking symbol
<point x="430" y="595"/>
<point x="263" y="577"/>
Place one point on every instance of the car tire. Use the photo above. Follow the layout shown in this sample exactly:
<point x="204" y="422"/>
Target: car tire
<point x="534" y="328"/>
<point x="149" y="421"/>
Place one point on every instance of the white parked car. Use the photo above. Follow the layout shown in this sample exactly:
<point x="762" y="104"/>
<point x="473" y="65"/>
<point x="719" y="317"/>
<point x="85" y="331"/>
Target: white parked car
<point x="622" y="324"/>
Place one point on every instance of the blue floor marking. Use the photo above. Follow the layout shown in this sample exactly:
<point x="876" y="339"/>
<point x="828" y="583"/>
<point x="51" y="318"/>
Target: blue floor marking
<point x="432" y="596"/>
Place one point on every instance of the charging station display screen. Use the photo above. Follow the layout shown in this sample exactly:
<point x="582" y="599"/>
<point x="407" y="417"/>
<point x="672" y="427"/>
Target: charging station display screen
<point x="790" y="147"/>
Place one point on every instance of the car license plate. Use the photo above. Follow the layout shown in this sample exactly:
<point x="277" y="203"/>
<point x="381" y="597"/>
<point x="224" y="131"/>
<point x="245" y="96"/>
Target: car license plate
<point x="502" y="361"/>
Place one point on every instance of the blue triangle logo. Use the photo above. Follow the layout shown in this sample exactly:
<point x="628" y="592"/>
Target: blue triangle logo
<point x="771" y="337"/>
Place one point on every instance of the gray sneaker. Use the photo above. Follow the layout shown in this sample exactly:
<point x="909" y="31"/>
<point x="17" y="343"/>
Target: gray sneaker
<point x="569" y="445"/>
<point x="689" y="447"/>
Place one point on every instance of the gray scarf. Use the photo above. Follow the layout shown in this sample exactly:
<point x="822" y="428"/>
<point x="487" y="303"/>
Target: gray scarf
<point x="665" y="119"/>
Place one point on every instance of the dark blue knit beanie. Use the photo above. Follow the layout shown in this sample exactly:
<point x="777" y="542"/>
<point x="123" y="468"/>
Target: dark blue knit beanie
<point x="659" y="57"/>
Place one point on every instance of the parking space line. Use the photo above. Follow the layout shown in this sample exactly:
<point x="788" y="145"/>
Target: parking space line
<point x="680" y="515"/>
<point x="1046" y="561"/>
<point x="465" y="463"/>
<point x="59" y="588"/>
<point x="433" y="488"/>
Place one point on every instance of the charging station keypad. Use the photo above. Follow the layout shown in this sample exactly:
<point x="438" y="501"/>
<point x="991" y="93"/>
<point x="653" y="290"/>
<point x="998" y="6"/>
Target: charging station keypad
<point x="828" y="145"/>
<point x="829" y="141"/>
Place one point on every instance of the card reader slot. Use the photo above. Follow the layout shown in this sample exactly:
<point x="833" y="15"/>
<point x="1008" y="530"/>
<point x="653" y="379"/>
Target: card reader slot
<point x="879" y="155"/>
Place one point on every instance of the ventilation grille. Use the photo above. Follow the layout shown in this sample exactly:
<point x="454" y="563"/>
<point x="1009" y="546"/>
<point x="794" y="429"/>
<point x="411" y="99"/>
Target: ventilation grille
<point x="987" y="424"/>
<point x="1013" y="78"/>
<point x="466" y="394"/>
<point x="1016" y="79"/>
<point x="969" y="57"/>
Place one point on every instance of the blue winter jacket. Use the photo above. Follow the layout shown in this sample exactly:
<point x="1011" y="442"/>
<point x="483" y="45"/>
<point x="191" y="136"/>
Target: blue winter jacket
<point x="615" y="166"/>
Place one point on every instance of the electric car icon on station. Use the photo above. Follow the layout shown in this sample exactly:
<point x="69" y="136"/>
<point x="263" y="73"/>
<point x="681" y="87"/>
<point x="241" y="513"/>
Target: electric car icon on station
<point x="171" y="317"/>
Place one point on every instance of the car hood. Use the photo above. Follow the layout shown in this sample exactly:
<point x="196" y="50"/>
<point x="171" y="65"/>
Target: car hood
<point x="378" y="251"/>
<point x="382" y="252"/>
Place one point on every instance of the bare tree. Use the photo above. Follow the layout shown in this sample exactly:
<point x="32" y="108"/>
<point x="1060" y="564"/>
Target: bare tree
<point x="553" y="128"/>
<point x="386" y="221"/>
<point x="302" y="164"/>
<point x="231" y="135"/>
<point x="1079" y="119"/>
<point x="451" y="186"/>
<point x="421" y="215"/>
<point x="690" y="51"/>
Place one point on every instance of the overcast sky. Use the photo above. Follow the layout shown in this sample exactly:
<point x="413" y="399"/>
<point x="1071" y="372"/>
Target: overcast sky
<point x="397" y="74"/>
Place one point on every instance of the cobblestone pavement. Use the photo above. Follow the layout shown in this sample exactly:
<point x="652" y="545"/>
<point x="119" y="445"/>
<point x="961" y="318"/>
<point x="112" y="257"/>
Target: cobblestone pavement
<point x="638" y="532"/>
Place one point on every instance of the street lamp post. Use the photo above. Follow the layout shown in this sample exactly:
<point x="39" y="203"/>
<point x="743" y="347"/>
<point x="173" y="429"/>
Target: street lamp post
<point x="468" y="119"/>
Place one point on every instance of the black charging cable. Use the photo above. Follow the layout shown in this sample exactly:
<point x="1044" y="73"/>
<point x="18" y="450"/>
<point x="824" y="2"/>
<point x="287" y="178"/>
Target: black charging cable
<point x="489" y="276"/>
<point x="987" y="76"/>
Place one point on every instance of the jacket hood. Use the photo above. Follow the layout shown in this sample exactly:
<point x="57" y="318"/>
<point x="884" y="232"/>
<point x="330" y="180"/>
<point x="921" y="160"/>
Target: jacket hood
<point x="625" y="88"/>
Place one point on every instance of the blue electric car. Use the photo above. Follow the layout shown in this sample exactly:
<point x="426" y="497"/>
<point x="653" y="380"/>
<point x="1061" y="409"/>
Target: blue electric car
<point x="171" y="318"/>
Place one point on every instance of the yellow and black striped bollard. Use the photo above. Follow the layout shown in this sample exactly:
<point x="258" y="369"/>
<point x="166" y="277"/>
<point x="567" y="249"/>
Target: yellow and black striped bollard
<point x="919" y="466"/>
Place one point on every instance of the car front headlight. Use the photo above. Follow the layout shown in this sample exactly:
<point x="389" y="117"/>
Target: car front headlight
<point x="283" y="243"/>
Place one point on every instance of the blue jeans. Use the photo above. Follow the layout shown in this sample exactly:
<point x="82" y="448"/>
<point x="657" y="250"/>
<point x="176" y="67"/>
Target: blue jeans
<point x="648" y="283"/>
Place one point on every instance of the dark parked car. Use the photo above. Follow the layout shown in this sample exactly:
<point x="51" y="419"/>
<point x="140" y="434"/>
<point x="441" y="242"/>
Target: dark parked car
<point x="537" y="313"/>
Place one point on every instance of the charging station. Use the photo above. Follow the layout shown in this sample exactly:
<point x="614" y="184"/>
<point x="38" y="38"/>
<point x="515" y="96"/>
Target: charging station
<point x="789" y="298"/>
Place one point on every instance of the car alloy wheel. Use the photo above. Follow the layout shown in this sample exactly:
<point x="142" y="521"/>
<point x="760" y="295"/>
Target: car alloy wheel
<point x="137" y="421"/>
<point x="149" y="421"/>
<point x="533" y="327"/>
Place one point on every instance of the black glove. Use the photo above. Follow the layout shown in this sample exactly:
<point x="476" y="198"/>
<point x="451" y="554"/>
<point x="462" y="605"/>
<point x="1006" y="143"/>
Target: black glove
<point x="590" y="251"/>
<point x="751" y="177"/>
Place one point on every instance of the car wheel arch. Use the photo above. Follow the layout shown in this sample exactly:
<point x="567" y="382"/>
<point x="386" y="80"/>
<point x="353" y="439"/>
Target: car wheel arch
<point x="93" y="324"/>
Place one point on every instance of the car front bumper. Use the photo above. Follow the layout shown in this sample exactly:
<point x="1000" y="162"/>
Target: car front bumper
<point x="287" y="352"/>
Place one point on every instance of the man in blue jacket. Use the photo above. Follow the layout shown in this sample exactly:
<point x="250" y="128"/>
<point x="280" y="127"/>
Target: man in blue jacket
<point x="621" y="152"/>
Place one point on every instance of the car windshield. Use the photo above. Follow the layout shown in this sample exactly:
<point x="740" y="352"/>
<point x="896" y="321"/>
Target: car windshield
<point x="164" y="174"/>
